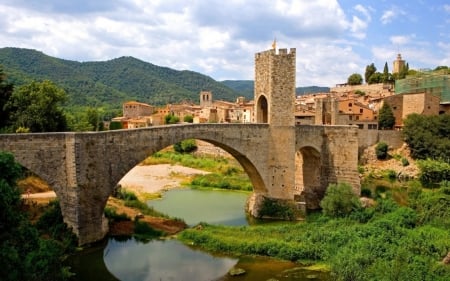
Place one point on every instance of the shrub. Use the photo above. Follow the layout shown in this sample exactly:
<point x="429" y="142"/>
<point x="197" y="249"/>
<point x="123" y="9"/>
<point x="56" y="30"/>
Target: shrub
<point x="185" y="146"/>
<point x="433" y="172"/>
<point x="405" y="162"/>
<point x="278" y="209"/>
<point x="339" y="200"/>
<point x="126" y="195"/>
<point x="188" y="119"/>
<point x="381" y="150"/>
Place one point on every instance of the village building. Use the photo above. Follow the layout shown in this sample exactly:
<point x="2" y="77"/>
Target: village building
<point x="404" y="104"/>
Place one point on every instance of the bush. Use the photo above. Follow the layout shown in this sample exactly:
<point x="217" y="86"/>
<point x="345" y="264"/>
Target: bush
<point x="188" y="119"/>
<point x="339" y="200"/>
<point x="185" y="146"/>
<point x="433" y="172"/>
<point x="405" y="162"/>
<point x="381" y="150"/>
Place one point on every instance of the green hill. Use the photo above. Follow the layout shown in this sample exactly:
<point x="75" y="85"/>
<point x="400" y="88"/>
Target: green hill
<point x="110" y="83"/>
<point x="245" y="87"/>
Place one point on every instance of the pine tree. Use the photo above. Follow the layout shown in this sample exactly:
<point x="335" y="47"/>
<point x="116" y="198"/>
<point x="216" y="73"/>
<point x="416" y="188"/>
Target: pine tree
<point x="386" y="119"/>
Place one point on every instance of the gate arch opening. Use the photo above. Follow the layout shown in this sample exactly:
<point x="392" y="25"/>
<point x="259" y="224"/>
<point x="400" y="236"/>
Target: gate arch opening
<point x="308" y="178"/>
<point x="262" y="110"/>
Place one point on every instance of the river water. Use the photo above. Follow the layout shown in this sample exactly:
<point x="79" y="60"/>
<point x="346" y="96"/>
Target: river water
<point x="131" y="260"/>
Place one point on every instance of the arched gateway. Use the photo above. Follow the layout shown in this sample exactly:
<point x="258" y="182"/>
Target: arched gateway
<point x="287" y="164"/>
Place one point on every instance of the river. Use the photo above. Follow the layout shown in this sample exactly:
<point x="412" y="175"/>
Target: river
<point x="131" y="260"/>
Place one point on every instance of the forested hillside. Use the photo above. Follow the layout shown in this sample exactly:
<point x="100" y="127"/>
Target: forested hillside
<point x="110" y="83"/>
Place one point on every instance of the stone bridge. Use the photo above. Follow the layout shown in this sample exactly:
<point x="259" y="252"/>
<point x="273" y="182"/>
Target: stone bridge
<point x="293" y="164"/>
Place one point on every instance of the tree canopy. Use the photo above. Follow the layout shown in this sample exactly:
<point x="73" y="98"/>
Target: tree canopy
<point x="24" y="255"/>
<point x="386" y="119"/>
<point x="370" y="70"/>
<point x="6" y="90"/>
<point x="428" y="136"/>
<point x="355" y="79"/>
<point x="38" y="107"/>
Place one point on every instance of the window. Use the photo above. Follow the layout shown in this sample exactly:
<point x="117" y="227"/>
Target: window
<point x="360" y="126"/>
<point x="350" y="117"/>
<point x="361" y="110"/>
<point x="349" y="104"/>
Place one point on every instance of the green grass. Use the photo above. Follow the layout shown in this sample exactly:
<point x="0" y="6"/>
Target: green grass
<point x="395" y="242"/>
<point x="225" y="173"/>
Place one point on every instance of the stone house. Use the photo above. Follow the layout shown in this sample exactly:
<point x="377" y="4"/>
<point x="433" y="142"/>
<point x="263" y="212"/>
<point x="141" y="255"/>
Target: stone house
<point x="404" y="104"/>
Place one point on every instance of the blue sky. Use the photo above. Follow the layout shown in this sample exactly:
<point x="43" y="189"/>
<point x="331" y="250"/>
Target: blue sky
<point x="219" y="38"/>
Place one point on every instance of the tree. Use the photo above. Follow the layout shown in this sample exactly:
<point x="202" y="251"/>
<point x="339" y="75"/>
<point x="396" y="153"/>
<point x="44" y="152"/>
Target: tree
<point x="386" y="119"/>
<point x="24" y="255"/>
<point x="376" y="77"/>
<point x="370" y="70"/>
<point x="355" y="79"/>
<point x="386" y="75"/>
<point x="6" y="90"/>
<point x="171" y="119"/>
<point x="428" y="136"/>
<point x="38" y="106"/>
<point x="188" y="119"/>
<point x="339" y="200"/>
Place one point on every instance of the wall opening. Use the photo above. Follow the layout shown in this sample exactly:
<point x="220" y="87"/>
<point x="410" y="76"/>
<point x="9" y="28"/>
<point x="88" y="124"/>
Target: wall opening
<point x="307" y="176"/>
<point x="262" y="110"/>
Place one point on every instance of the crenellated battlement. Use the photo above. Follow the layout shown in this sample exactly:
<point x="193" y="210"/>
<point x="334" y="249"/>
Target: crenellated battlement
<point x="275" y="52"/>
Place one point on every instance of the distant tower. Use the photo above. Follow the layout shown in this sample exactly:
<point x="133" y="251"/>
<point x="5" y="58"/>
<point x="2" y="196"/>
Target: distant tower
<point x="275" y="87"/>
<point x="399" y="64"/>
<point x="205" y="99"/>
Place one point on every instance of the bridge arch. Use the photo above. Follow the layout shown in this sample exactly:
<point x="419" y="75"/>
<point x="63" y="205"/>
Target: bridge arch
<point x="84" y="168"/>
<point x="308" y="176"/>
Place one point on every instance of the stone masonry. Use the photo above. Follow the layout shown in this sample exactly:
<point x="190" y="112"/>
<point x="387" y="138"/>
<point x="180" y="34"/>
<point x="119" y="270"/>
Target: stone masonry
<point x="288" y="163"/>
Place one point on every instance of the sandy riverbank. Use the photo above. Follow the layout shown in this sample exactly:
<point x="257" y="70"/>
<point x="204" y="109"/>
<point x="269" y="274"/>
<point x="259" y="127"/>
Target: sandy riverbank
<point x="154" y="178"/>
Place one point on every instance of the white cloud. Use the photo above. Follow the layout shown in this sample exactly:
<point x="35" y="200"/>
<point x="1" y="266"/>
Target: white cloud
<point x="447" y="8"/>
<point x="217" y="38"/>
<point x="401" y="39"/>
<point x="387" y="16"/>
<point x="391" y="14"/>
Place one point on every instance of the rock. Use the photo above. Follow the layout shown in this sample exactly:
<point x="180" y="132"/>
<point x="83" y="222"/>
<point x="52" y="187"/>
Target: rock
<point x="446" y="260"/>
<point x="367" y="202"/>
<point x="236" y="271"/>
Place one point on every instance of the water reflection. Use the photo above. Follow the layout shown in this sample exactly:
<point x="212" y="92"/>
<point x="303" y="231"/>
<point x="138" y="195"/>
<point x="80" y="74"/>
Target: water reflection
<point x="162" y="260"/>
<point x="211" y="206"/>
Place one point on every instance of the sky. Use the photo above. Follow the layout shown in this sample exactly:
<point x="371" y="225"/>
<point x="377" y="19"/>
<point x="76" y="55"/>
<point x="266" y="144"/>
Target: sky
<point x="333" y="39"/>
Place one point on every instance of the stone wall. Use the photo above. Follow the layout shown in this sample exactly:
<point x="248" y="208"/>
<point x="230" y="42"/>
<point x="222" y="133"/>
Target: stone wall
<point x="366" y="138"/>
<point x="332" y="158"/>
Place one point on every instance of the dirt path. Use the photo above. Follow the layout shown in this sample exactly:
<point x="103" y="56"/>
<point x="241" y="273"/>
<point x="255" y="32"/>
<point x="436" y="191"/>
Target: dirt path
<point x="155" y="178"/>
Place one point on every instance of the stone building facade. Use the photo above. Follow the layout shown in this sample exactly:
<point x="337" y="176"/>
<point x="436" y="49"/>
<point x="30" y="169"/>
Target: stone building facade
<point x="133" y="109"/>
<point x="404" y="104"/>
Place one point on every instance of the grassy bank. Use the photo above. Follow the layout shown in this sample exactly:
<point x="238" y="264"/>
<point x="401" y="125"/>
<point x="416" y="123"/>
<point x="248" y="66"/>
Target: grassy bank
<point x="384" y="242"/>
<point x="225" y="173"/>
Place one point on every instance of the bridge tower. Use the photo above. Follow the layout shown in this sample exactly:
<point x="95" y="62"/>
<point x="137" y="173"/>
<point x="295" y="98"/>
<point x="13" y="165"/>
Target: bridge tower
<point x="274" y="95"/>
<point x="274" y="90"/>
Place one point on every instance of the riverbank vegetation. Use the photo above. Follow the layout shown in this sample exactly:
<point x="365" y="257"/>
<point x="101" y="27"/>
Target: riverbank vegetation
<point x="30" y="251"/>
<point x="225" y="173"/>
<point x="384" y="242"/>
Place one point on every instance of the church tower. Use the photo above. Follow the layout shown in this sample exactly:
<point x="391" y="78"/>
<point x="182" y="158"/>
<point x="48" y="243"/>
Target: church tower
<point x="399" y="64"/>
